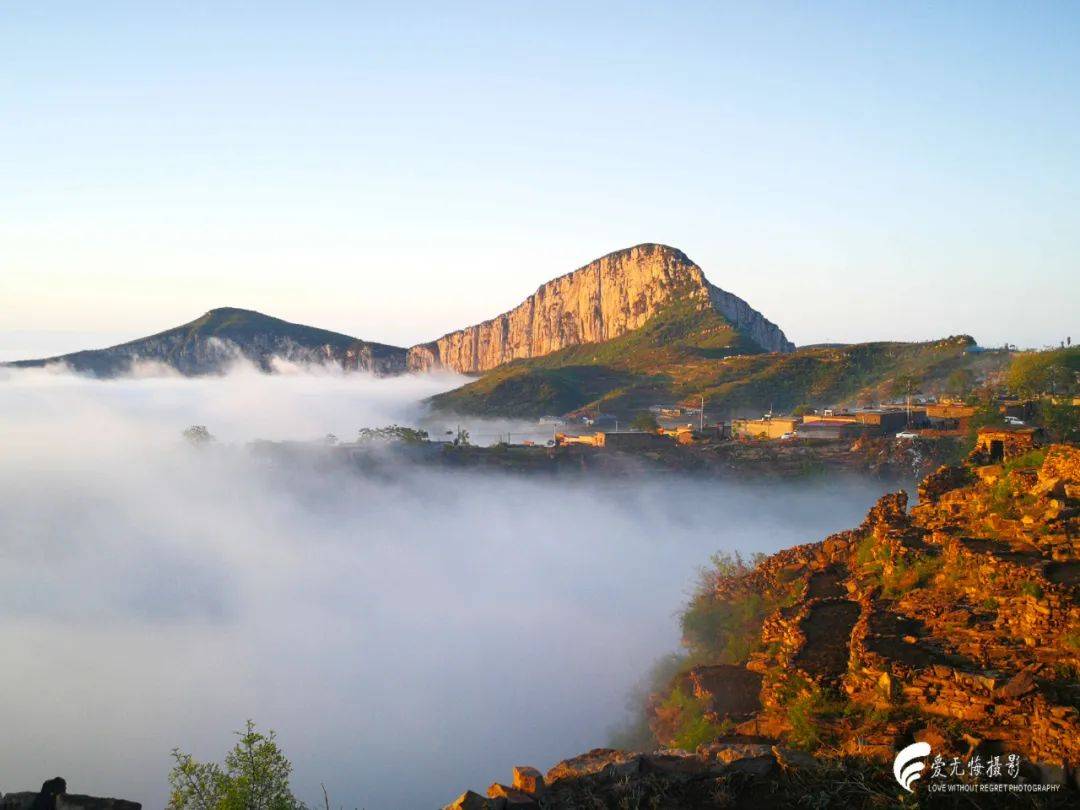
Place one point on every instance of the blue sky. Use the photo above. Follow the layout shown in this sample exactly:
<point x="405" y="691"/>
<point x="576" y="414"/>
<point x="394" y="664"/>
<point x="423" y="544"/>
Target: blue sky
<point x="855" y="171"/>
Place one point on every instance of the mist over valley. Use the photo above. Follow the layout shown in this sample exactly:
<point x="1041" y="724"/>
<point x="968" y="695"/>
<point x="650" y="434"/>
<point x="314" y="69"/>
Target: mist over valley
<point x="401" y="633"/>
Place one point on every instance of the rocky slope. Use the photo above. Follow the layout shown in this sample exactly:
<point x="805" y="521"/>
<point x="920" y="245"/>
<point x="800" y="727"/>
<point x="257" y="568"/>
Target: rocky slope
<point x="955" y="623"/>
<point x="609" y="297"/>
<point x="211" y="343"/>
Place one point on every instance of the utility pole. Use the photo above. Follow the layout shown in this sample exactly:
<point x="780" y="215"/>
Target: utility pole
<point x="701" y="423"/>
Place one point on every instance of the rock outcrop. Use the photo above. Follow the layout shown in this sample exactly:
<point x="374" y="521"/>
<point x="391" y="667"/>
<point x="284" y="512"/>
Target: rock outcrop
<point x="963" y="611"/>
<point x="54" y="796"/>
<point x="955" y="622"/>
<point x="602" y="300"/>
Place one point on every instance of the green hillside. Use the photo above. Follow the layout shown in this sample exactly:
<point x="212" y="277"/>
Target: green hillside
<point x="686" y="353"/>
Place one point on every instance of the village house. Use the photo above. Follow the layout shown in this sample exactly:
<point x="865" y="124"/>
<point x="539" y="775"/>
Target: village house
<point x="768" y="427"/>
<point x="826" y="428"/>
<point x="585" y="439"/>
<point x="625" y="440"/>
<point x="681" y="435"/>
<point x="997" y="444"/>
<point x="874" y="421"/>
<point x="950" y="416"/>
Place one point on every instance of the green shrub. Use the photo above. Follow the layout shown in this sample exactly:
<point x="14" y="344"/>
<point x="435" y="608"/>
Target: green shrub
<point x="635" y="733"/>
<point x="255" y="776"/>
<point x="724" y="631"/>
<point x="644" y="421"/>
<point x="694" y="729"/>
<point x="809" y="714"/>
<point x="1072" y="640"/>
<point x="906" y="575"/>
<point x="1032" y="589"/>
<point x="1032" y="458"/>
<point x="1002" y="500"/>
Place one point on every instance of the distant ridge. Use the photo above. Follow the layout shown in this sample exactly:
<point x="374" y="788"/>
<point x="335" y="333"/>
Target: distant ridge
<point x="606" y="299"/>
<point x="211" y="343"/>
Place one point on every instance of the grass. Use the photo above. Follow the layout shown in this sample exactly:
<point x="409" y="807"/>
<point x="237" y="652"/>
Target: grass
<point x="908" y="574"/>
<point x="1002" y="499"/>
<point x="896" y="574"/>
<point x="694" y="728"/>
<point x="1029" y="460"/>
<point x="1072" y="640"/>
<point x="1032" y="589"/>
<point x="810" y="714"/>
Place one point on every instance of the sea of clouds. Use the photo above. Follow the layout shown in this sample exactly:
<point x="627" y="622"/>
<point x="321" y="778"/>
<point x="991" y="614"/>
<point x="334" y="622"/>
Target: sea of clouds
<point x="407" y="636"/>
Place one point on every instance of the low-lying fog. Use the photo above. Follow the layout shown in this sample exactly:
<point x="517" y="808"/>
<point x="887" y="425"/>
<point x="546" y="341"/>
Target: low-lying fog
<point x="407" y="638"/>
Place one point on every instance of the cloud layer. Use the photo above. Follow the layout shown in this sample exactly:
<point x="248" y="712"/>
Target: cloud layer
<point x="406" y="637"/>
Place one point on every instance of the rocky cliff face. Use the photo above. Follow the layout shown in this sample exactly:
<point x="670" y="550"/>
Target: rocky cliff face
<point x="602" y="300"/>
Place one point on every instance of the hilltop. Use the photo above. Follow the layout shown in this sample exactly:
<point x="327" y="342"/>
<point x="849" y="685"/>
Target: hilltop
<point x="955" y="623"/>
<point x="604" y="300"/>
<point x="210" y="343"/>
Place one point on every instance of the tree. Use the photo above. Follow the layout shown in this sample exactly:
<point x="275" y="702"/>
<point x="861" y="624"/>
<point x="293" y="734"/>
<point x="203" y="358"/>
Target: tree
<point x="393" y="433"/>
<point x="1052" y="372"/>
<point x="461" y="439"/>
<point x="197" y="435"/>
<point x="255" y="776"/>
<point x="960" y="382"/>
<point x="645" y="421"/>
<point x="1061" y="420"/>
<point x="903" y="385"/>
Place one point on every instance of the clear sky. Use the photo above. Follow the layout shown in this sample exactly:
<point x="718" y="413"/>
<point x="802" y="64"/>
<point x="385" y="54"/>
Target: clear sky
<point x="856" y="171"/>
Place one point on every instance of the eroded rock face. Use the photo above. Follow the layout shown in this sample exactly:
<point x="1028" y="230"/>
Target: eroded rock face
<point x="602" y="300"/>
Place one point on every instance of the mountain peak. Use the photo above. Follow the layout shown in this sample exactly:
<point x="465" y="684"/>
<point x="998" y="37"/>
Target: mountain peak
<point x="219" y="337"/>
<point x="602" y="300"/>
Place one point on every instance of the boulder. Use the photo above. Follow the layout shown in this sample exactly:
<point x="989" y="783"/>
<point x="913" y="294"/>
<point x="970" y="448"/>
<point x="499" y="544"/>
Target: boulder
<point x="1019" y="685"/>
<point x="790" y="759"/>
<point x="469" y="800"/>
<point x="599" y="760"/>
<point x="528" y="779"/>
<point x="670" y="763"/>
<point x="732" y="752"/>
<point x="754" y="766"/>
<point x="515" y="799"/>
